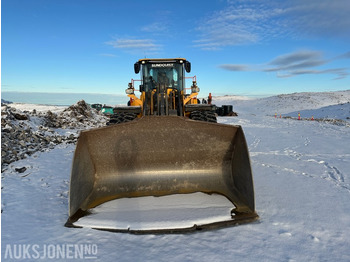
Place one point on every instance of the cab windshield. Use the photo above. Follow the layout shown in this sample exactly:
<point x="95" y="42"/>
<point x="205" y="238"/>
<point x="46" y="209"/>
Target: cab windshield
<point x="168" y="74"/>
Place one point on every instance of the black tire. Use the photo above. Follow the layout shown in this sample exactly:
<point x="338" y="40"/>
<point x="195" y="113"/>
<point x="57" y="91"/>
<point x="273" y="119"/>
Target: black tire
<point x="196" y="115"/>
<point x="210" y="116"/>
<point x="121" y="118"/>
<point x="205" y="116"/>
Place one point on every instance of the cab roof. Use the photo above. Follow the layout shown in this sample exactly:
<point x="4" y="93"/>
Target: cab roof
<point x="161" y="60"/>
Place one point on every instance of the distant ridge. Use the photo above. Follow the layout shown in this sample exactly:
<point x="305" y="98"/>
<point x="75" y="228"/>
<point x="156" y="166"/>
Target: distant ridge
<point x="3" y="101"/>
<point x="63" y="99"/>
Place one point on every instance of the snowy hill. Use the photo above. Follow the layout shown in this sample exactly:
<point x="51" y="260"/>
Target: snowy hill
<point x="286" y="103"/>
<point x="302" y="193"/>
<point x="3" y="101"/>
<point x="339" y="112"/>
<point x="38" y="107"/>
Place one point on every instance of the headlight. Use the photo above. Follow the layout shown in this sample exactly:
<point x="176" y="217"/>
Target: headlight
<point x="129" y="91"/>
<point x="195" y="89"/>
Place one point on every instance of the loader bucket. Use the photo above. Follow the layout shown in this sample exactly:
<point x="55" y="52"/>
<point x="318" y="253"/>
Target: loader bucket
<point x="159" y="156"/>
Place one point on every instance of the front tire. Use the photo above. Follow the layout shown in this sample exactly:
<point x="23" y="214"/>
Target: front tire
<point x="205" y="116"/>
<point x="121" y="118"/>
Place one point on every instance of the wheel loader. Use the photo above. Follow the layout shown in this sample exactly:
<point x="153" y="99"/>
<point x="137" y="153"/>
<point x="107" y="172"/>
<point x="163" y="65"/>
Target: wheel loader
<point x="164" y="143"/>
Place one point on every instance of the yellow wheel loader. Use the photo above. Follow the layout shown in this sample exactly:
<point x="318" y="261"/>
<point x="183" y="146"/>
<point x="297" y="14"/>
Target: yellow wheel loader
<point x="163" y="143"/>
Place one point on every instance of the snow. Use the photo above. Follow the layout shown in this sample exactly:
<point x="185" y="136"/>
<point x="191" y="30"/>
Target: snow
<point x="340" y="112"/>
<point x="38" y="107"/>
<point x="302" y="192"/>
<point x="286" y="103"/>
<point x="167" y="212"/>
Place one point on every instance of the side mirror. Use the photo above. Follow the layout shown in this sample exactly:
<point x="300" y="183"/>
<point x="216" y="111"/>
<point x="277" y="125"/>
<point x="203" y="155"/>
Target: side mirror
<point x="188" y="66"/>
<point x="137" y="67"/>
<point x="141" y="88"/>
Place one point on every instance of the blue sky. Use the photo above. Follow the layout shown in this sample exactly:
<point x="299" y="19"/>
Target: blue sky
<point x="235" y="47"/>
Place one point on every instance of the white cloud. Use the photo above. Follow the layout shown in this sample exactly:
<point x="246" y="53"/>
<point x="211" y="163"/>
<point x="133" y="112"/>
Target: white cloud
<point x="296" y="60"/>
<point x="146" y="44"/>
<point x="302" y="62"/>
<point x="238" y="24"/>
<point x="235" y="67"/>
<point x="249" y="22"/>
<point x="326" y="18"/>
<point x="343" y="56"/>
<point x="339" y="72"/>
<point x="156" y="27"/>
<point x="296" y="57"/>
<point x="136" y="46"/>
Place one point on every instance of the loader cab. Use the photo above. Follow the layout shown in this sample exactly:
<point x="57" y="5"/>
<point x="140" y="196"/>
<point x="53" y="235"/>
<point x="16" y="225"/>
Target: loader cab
<point x="162" y="86"/>
<point x="168" y="72"/>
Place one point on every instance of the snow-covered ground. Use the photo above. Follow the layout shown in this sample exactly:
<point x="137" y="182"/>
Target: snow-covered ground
<point x="339" y="112"/>
<point x="302" y="192"/>
<point x="38" y="108"/>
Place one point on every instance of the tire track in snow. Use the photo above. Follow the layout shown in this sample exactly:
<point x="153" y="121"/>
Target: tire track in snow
<point x="334" y="175"/>
<point x="255" y="143"/>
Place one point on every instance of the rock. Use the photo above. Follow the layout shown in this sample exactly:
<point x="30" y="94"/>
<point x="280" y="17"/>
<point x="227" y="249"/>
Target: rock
<point x="6" y="130"/>
<point x="21" y="169"/>
<point x="232" y="114"/>
<point x="20" y="137"/>
<point x="19" y="116"/>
